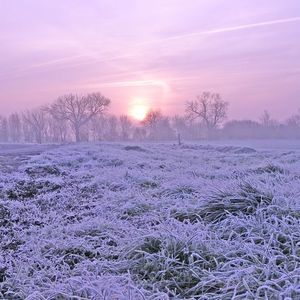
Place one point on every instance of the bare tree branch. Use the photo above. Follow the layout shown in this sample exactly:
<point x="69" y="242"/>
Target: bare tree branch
<point x="78" y="110"/>
<point x="209" y="108"/>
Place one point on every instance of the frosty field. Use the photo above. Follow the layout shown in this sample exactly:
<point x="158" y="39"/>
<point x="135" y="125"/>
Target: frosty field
<point x="149" y="221"/>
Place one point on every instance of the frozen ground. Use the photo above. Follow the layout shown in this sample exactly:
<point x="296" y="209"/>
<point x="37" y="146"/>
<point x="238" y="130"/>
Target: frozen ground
<point x="154" y="221"/>
<point x="267" y="144"/>
<point x="23" y="149"/>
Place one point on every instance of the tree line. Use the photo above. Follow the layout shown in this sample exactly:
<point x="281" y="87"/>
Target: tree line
<point x="79" y="118"/>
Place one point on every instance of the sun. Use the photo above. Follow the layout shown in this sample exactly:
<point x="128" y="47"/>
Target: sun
<point x="138" y="111"/>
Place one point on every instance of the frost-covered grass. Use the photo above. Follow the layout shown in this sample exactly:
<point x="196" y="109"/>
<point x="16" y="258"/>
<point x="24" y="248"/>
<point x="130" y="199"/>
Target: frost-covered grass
<point x="150" y="221"/>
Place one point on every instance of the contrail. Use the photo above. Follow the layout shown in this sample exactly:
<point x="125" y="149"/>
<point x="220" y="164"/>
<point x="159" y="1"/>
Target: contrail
<point x="68" y="62"/>
<point x="226" y="29"/>
<point x="64" y="63"/>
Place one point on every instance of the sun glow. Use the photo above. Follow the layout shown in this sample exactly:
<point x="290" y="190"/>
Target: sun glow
<point x="138" y="111"/>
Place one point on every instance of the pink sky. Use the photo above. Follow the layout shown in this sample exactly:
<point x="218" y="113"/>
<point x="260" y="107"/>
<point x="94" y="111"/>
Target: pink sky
<point x="162" y="52"/>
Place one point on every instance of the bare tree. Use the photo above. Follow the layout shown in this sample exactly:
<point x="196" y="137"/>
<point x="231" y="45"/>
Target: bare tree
<point x="112" y="128"/>
<point x="3" y="129"/>
<point x="15" y="127"/>
<point x="57" y="130"/>
<point x="158" y="126"/>
<point x="164" y="131"/>
<point x="36" y="121"/>
<point x="267" y="121"/>
<point x="152" y="118"/>
<point x="186" y="127"/>
<point x="139" y="134"/>
<point x="28" y="136"/>
<point x="293" y="122"/>
<point x="78" y="110"/>
<point x="151" y="121"/>
<point x="125" y="127"/>
<point x="97" y="128"/>
<point x="209" y="108"/>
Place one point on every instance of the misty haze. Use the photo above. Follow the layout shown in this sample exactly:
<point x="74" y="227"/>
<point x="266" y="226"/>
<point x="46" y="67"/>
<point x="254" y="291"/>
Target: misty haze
<point x="149" y="150"/>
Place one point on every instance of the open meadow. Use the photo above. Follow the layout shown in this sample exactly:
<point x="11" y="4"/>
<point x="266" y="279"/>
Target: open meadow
<point x="149" y="221"/>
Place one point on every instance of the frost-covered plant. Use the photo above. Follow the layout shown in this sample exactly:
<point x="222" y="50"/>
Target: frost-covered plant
<point x="157" y="222"/>
<point x="246" y="199"/>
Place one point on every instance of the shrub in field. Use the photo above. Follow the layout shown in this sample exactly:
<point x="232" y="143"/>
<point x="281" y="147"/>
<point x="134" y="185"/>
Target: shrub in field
<point x="42" y="171"/>
<point x="245" y="200"/>
<point x="29" y="189"/>
<point x="136" y="210"/>
<point x="148" y="184"/>
<point x="180" y="192"/>
<point x="191" y="215"/>
<point x="270" y="169"/>
<point x="134" y="148"/>
<point x="5" y="217"/>
<point x="176" y="264"/>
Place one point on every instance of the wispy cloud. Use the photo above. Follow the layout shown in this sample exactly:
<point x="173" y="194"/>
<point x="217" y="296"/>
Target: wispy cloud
<point x="131" y="83"/>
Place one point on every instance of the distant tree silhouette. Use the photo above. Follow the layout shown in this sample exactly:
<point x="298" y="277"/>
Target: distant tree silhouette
<point x="152" y="118"/>
<point x="158" y="126"/>
<point x="238" y="129"/>
<point x="151" y="121"/>
<point x="184" y="126"/>
<point x="125" y="127"/>
<point x="4" y="129"/>
<point x="112" y="128"/>
<point x="78" y="110"/>
<point x="293" y="126"/>
<point x="139" y="134"/>
<point x="57" y="130"/>
<point x="209" y="108"/>
<point x="36" y="122"/>
<point x="15" y="127"/>
<point x="84" y="117"/>
<point x="294" y="121"/>
<point x="266" y="120"/>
